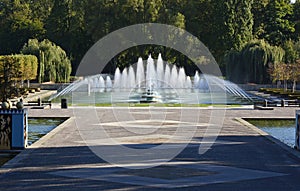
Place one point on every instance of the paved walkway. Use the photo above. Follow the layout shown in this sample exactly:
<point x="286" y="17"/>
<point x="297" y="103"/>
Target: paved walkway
<point x="240" y="158"/>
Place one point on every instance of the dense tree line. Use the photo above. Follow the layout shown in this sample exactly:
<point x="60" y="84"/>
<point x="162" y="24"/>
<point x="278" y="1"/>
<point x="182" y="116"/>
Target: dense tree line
<point x="229" y="28"/>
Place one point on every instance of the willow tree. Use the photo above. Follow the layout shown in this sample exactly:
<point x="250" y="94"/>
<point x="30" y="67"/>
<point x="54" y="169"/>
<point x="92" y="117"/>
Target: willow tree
<point x="251" y="63"/>
<point x="54" y="64"/>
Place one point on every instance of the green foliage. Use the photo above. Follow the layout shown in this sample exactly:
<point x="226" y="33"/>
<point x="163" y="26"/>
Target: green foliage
<point x="222" y="25"/>
<point x="15" y="69"/>
<point x="259" y="9"/>
<point x="291" y="54"/>
<point x="54" y="65"/>
<point x="107" y="16"/>
<point x="238" y="22"/>
<point x="8" y="74"/>
<point x="17" y="25"/>
<point x="278" y="24"/>
<point x="290" y="70"/>
<point x="252" y="62"/>
<point x="65" y="25"/>
<point x="28" y="65"/>
<point x="296" y="19"/>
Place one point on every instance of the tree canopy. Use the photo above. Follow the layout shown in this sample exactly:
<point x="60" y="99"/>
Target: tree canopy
<point x="15" y="69"/>
<point x="224" y="26"/>
<point x="54" y="65"/>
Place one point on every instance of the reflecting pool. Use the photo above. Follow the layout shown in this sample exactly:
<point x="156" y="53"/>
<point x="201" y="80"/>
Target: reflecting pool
<point x="38" y="127"/>
<point x="281" y="129"/>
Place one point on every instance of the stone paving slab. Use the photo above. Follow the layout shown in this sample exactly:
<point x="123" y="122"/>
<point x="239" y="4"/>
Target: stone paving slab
<point x="240" y="159"/>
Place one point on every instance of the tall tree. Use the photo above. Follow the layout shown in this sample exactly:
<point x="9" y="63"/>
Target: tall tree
<point x="199" y="20"/>
<point x="10" y="71"/>
<point x="40" y="9"/>
<point x="239" y="22"/>
<point x="278" y="25"/>
<point x="251" y="63"/>
<point x="296" y="19"/>
<point x="258" y="11"/>
<point x="54" y="65"/>
<point x="233" y="22"/>
<point x="292" y="57"/>
<point x="65" y="26"/>
<point x="17" y="25"/>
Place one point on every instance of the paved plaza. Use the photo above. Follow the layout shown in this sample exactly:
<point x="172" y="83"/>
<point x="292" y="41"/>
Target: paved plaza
<point x="74" y="155"/>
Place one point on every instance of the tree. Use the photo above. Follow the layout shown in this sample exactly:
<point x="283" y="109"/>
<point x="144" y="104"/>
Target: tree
<point x="54" y="64"/>
<point x="292" y="56"/>
<point x="8" y="75"/>
<point x="17" y="25"/>
<point x="280" y="72"/>
<point x="200" y="20"/>
<point x="278" y="24"/>
<point x="232" y="23"/>
<point x="14" y="69"/>
<point x="251" y="63"/>
<point x="28" y="65"/>
<point x="295" y="74"/>
<point x="40" y="9"/>
<point x="239" y="22"/>
<point x="296" y="19"/>
<point x="65" y="26"/>
<point x="259" y="17"/>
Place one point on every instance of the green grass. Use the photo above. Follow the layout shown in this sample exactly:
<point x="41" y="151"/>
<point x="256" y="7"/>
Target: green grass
<point x="272" y="122"/>
<point x="281" y="92"/>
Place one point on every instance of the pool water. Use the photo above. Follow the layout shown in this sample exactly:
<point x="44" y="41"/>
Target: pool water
<point x="281" y="129"/>
<point x="38" y="127"/>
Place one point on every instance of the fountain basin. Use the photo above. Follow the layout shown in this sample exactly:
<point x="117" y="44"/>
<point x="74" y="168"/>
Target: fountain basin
<point x="169" y="82"/>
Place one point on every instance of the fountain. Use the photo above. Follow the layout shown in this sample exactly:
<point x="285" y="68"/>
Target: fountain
<point x="156" y="81"/>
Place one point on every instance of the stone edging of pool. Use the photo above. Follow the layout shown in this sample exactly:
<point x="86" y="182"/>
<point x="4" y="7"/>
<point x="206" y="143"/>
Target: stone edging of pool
<point x="268" y="136"/>
<point x="7" y="167"/>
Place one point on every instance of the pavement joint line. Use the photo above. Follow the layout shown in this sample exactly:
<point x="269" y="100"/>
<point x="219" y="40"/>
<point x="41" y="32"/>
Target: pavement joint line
<point x="268" y="136"/>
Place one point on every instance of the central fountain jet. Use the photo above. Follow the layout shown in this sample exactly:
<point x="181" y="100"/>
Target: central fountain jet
<point x="156" y="76"/>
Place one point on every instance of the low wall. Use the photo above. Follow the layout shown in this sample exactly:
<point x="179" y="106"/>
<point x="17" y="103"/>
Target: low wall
<point x="49" y="86"/>
<point x="256" y="87"/>
<point x="246" y="87"/>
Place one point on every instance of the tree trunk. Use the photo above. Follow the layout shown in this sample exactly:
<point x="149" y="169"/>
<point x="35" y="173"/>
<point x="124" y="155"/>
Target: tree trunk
<point x="278" y="83"/>
<point x="285" y="85"/>
<point x="294" y="86"/>
<point x="28" y="83"/>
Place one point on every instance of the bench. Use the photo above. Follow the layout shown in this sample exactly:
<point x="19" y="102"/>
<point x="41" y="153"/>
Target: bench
<point x="38" y="104"/>
<point x="285" y="103"/>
